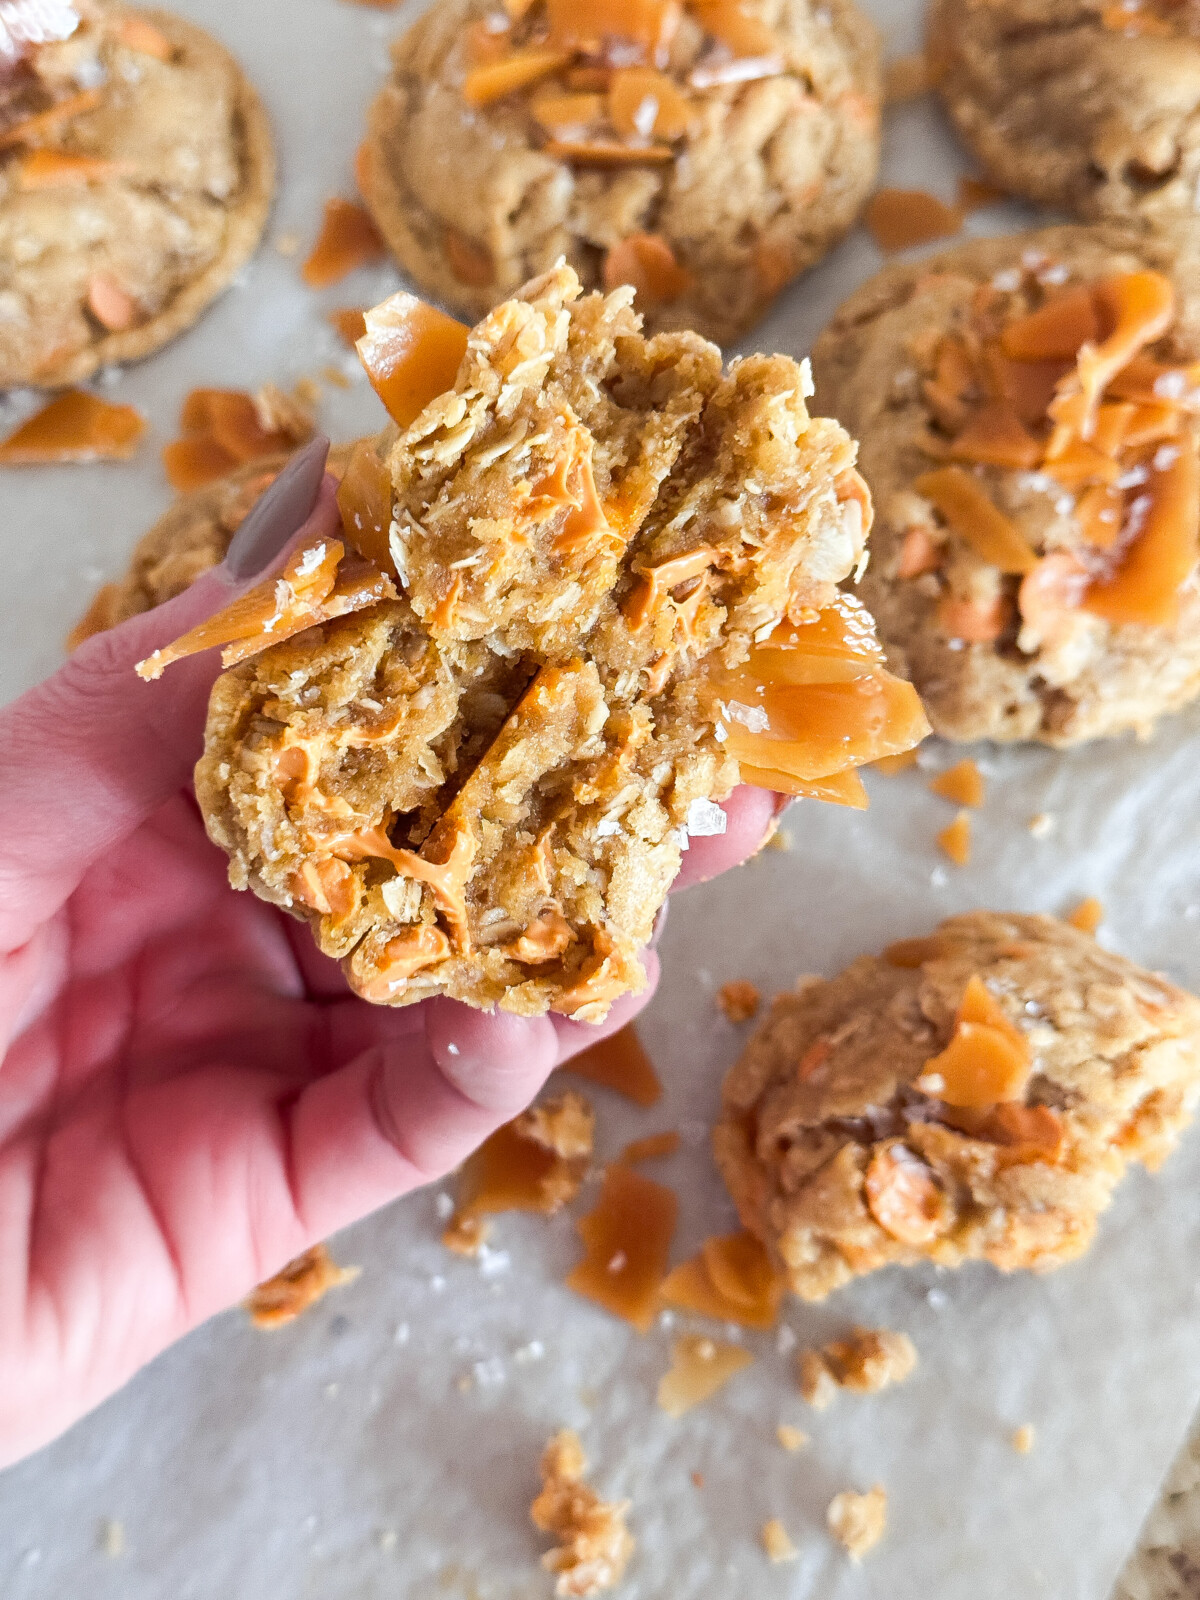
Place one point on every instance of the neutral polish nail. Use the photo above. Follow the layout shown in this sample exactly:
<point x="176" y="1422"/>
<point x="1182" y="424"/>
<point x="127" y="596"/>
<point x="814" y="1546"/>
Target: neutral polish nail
<point x="283" y="508"/>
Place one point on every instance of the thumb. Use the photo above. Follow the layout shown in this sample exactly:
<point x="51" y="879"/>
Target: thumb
<point x="93" y="751"/>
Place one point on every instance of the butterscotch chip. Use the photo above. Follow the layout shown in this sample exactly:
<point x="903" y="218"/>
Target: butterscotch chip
<point x="1034" y="561"/>
<point x="594" y="1545"/>
<point x="1087" y="106"/>
<point x="738" y="999"/>
<point x="190" y="537"/>
<point x="296" y="1287"/>
<point x="858" y="1521"/>
<point x="1047" y="1065"/>
<point x="706" y="159"/>
<point x="482" y="788"/>
<point x="136" y="171"/>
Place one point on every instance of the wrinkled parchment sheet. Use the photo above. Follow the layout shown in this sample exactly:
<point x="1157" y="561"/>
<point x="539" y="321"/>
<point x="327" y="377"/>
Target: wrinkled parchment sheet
<point x="385" y="1446"/>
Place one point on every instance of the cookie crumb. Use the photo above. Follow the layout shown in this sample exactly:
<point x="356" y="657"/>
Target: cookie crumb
<point x="1041" y="824"/>
<point x="857" y="1521"/>
<point x="955" y="840"/>
<point x="792" y="1439"/>
<point x="738" y="999"/>
<point x="868" y="1360"/>
<point x="962" y="783"/>
<point x="296" y="1287"/>
<point x="287" y="244"/>
<point x="776" y="1542"/>
<point x="466" y="1235"/>
<point x="594" y="1545"/>
<point x="1024" y="1438"/>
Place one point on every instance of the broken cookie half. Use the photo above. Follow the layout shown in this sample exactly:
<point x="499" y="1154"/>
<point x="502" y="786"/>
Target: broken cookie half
<point x="973" y="1095"/>
<point x="587" y="588"/>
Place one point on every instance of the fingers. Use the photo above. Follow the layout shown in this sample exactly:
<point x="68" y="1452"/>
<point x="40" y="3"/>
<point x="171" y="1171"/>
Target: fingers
<point x="92" y="752"/>
<point x="748" y="814"/>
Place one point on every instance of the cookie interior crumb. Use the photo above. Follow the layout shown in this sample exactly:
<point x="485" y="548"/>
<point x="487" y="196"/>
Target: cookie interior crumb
<point x="296" y="1287"/>
<point x="858" y="1521"/>
<point x="594" y="1544"/>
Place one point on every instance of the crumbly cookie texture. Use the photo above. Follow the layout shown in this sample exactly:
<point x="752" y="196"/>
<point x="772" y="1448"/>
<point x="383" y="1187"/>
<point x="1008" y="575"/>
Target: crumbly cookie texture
<point x="190" y="537"/>
<point x="297" y="1286"/>
<point x="136" y="171"/>
<point x="708" y="174"/>
<point x="594" y="1545"/>
<point x="1083" y="105"/>
<point x="872" y="1121"/>
<point x="1012" y="630"/>
<point x="482" y="787"/>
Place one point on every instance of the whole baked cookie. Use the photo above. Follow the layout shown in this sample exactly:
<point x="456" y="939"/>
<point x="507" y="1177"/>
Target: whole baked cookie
<point x="1030" y="415"/>
<point x="590" y="586"/>
<point x="136" y="171"/>
<point x="191" y="536"/>
<point x="1091" y="106"/>
<point x="704" y="155"/>
<point x="972" y="1095"/>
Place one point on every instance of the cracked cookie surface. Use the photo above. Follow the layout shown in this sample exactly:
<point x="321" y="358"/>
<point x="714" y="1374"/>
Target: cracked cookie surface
<point x="955" y="368"/>
<point x="976" y="1094"/>
<point x="482" y="785"/>
<point x="136" y="170"/>
<point x="1088" y="106"/>
<point x="708" y="174"/>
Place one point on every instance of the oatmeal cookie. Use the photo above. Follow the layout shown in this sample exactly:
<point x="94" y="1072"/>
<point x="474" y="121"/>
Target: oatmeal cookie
<point x="1030" y="414"/>
<point x="1089" y="106"/>
<point x="973" y="1095"/>
<point x="596" y="587"/>
<point x="706" y="156"/>
<point x="191" y="536"/>
<point x="136" y="170"/>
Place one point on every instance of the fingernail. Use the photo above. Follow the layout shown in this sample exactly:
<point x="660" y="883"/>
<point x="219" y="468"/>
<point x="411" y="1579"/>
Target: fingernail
<point x="277" y="514"/>
<point x="782" y="803"/>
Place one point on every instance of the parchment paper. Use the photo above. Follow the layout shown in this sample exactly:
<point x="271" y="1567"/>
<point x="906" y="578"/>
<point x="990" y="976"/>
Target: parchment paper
<point x="386" y="1444"/>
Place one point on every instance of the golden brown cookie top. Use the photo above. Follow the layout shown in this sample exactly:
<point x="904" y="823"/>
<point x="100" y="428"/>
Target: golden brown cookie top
<point x="135" y="175"/>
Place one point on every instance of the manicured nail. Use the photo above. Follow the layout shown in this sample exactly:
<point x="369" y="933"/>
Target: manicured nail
<point x="284" y="507"/>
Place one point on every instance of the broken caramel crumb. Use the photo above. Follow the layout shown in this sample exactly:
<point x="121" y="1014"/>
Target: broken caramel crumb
<point x="75" y="426"/>
<point x="962" y="783"/>
<point x="620" y="1062"/>
<point x="594" y="1545"/>
<point x="901" y="218"/>
<point x="516" y="1171"/>
<point x="738" y="999"/>
<point x="857" y="1521"/>
<point x="1023" y="1438"/>
<point x="348" y="239"/>
<point x="868" y="1360"/>
<point x="349" y="323"/>
<point x="776" y="1542"/>
<point x="1087" y="915"/>
<point x="464" y="1235"/>
<point x="792" y="1439"/>
<point x="221" y="429"/>
<point x="651" y="1148"/>
<point x="627" y="1239"/>
<point x="732" y="1279"/>
<point x="566" y="1125"/>
<point x="699" y="1367"/>
<point x="891" y="765"/>
<point x="304" y="1281"/>
<point x="955" y="840"/>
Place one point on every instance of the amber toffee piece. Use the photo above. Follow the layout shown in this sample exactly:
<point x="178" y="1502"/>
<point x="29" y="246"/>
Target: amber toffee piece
<point x="1030" y="414"/>
<point x="704" y="153"/>
<point x="612" y="571"/>
<point x="976" y="1094"/>
<point x="136" y="170"/>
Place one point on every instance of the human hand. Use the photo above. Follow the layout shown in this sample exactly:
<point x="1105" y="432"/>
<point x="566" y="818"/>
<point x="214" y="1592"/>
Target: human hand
<point x="189" y="1093"/>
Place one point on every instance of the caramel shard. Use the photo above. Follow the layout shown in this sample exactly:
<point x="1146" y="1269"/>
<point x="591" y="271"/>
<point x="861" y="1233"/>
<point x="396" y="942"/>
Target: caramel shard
<point x="955" y="840"/>
<point x="1023" y="1438"/>
<point x="76" y="426"/>
<point x="747" y="36"/>
<point x="963" y="784"/>
<point x="858" y="1521"/>
<point x="1087" y="915"/>
<point x="465" y="1236"/>
<point x="517" y="70"/>
<point x="588" y="26"/>
<point x="1055" y="331"/>
<point x="348" y="239"/>
<point x="988" y="1058"/>
<point x="905" y="78"/>
<point x="652" y="1148"/>
<point x="54" y="169"/>
<point x="349" y="323"/>
<point x="891" y="765"/>
<point x="868" y="1360"/>
<point x="411" y="353"/>
<point x="791" y="1438"/>
<point x="647" y="262"/>
<point x="699" y="1367"/>
<point x="608" y="153"/>
<point x="594" y="1545"/>
<point x="970" y="514"/>
<point x="776" y="1541"/>
<point x="901" y="218"/>
<point x="732" y="1279"/>
<point x="646" y="104"/>
<point x="1145" y="588"/>
<point x="224" y="428"/>
<point x="620" y="1062"/>
<point x="365" y="505"/>
<point x="512" y="1171"/>
<point x="627" y="1240"/>
<point x="738" y="999"/>
<point x="304" y="1281"/>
